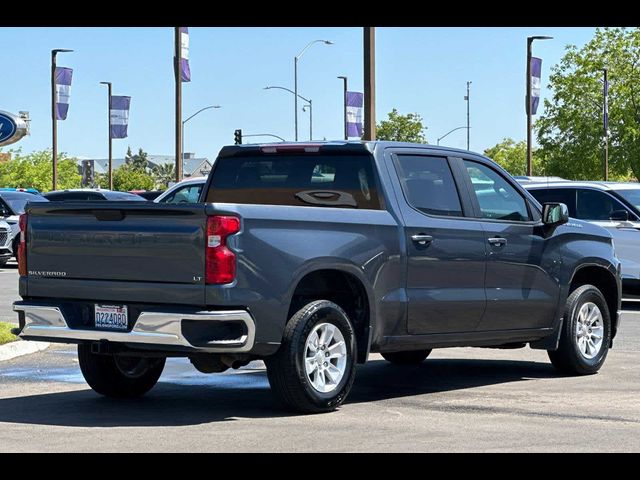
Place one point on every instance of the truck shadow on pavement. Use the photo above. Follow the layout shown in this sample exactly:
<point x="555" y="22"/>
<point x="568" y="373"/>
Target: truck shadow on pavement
<point x="173" y="404"/>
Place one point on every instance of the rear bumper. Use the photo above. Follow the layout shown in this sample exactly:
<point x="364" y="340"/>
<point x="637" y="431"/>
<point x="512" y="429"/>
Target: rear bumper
<point x="161" y="329"/>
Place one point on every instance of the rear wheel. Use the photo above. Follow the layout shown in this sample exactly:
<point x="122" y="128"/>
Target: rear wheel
<point x="413" y="357"/>
<point x="314" y="369"/>
<point x="586" y="333"/>
<point x="119" y="376"/>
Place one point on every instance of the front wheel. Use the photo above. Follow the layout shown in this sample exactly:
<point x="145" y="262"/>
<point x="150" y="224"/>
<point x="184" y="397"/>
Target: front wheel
<point x="586" y="333"/>
<point x="119" y="376"/>
<point x="314" y="369"/>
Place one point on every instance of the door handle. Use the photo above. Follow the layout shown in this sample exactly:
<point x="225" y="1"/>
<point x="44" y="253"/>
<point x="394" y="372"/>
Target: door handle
<point x="422" y="239"/>
<point x="497" y="241"/>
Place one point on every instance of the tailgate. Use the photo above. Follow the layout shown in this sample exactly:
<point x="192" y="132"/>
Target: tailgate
<point x="116" y="241"/>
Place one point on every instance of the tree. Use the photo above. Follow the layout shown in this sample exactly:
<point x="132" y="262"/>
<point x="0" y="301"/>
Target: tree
<point x="401" y="128"/>
<point x="35" y="170"/>
<point x="127" y="177"/>
<point x="138" y="161"/>
<point x="570" y="133"/>
<point x="512" y="156"/>
<point x="163" y="174"/>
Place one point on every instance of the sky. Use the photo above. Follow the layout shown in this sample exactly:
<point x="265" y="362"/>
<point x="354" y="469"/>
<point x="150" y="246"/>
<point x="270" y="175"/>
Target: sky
<point x="418" y="70"/>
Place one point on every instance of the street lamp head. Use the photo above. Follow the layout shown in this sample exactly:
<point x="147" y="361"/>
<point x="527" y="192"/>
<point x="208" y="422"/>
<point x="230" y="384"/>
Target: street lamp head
<point x="328" y="42"/>
<point x="539" y="37"/>
<point x="105" y="83"/>
<point x="59" y="50"/>
<point x="342" y="77"/>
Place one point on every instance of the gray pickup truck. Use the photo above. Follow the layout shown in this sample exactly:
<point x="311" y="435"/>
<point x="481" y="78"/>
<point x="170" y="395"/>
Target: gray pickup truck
<point x="310" y="257"/>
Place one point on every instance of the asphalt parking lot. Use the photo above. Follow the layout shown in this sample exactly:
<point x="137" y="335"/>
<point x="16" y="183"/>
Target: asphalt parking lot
<point x="459" y="399"/>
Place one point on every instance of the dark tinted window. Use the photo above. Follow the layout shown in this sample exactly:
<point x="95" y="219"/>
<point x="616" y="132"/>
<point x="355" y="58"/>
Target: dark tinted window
<point x="310" y="180"/>
<point x="67" y="196"/>
<point x="120" y="197"/>
<point x="498" y="199"/>
<point x="595" y="205"/>
<point x="428" y="184"/>
<point x="557" y="195"/>
<point x="16" y="201"/>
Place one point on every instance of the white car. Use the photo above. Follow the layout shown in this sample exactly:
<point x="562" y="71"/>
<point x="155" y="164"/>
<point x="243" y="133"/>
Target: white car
<point x="6" y="251"/>
<point x="186" y="191"/>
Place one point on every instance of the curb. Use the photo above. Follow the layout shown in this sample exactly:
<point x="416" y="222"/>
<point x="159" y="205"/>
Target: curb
<point x="19" y="348"/>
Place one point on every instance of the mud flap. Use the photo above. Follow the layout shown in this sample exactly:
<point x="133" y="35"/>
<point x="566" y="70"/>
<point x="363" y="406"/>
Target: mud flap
<point x="550" y="342"/>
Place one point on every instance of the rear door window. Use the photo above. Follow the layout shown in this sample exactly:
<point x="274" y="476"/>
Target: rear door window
<point x="340" y="181"/>
<point x="428" y="185"/>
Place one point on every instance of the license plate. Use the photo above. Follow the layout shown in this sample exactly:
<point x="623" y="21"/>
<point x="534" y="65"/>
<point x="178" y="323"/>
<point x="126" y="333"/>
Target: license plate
<point x="114" y="317"/>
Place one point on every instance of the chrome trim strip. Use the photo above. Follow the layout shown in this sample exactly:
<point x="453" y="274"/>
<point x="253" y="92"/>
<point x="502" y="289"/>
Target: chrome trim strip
<point x="151" y="328"/>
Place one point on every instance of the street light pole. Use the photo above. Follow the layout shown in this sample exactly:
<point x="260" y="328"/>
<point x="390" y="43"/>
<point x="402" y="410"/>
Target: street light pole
<point x="185" y="121"/>
<point x="467" y="98"/>
<point x="178" y="80"/>
<point x="528" y="100"/>
<point x="108" y="84"/>
<point x="605" y="123"/>
<point x="344" y="108"/>
<point x="310" y="118"/>
<point x="369" y="43"/>
<point x="295" y="79"/>
<point x="451" y="131"/>
<point x="297" y="95"/>
<point x="54" y="117"/>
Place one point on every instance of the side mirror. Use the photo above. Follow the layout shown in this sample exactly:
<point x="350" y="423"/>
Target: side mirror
<point x="619" y="216"/>
<point x="554" y="214"/>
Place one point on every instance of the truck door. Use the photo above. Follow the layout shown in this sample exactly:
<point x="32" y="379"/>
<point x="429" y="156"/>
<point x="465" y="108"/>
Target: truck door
<point x="521" y="292"/>
<point x="445" y="248"/>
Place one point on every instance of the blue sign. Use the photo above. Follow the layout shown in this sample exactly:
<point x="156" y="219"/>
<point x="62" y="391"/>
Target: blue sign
<point x="12" y="128"/>
<point x="7" y="127"/>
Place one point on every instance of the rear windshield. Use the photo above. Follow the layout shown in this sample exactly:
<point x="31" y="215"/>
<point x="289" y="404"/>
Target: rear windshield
<point x="315" y="181"/>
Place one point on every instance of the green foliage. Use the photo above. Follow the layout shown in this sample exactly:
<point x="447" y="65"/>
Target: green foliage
<point x="127" y="177"/>
<point x="35" y="170"/>
<point x="5" y="333"/>
<point x="401" y="128"/>
<point x="512" y="156"/>
<point x="163" y="174"/>
<point x="570" y="133"/>
<point x="138" y="161"/>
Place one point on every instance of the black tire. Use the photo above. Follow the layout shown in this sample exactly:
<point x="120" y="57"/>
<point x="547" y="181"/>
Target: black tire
<point x="3" y="263"/>
<point x="568" y="358"/>
<point x="413" y="357"/>
<point x="286" y="368"/>
<point x="119" y="377"/>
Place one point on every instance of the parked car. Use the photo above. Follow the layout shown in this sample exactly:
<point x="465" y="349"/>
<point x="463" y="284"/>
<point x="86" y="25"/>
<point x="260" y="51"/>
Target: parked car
<point x="611" y="205"/>
<point x="12" y="205"/>
<point x="398" y="248"/>
<point x="6" y="252"/>
<point x="148" y="195"/>
<point x="28" y="190"/>
<point x="186" y="191"/>
<point x="532" y="179"/>
<point x="90" y="194"/>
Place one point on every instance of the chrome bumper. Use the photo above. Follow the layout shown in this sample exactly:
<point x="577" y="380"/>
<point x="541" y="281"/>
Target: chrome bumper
<point x="151" y="328"/>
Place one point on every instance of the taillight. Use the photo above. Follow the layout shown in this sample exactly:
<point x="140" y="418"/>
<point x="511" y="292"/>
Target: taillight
<point x="22" y="246"/>
<point x="220" y="261"/>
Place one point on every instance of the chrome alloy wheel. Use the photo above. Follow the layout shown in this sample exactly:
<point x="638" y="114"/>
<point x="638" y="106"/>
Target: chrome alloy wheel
<point x="325" y="357"/>
<point x="589" y="330"/>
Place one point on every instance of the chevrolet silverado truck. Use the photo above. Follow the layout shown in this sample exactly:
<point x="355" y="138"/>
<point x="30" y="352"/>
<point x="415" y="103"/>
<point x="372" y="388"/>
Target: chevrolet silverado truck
<point x="310" y="257"/>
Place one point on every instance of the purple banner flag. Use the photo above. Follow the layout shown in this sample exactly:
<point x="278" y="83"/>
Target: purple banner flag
<point x="605" y="113"/>
<point x="536" y="69"/>
<point x="185" y="71"/>
<point x="63" y="91"/>
<point x="119" y="116"/>
<point x="355" y="102"/>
